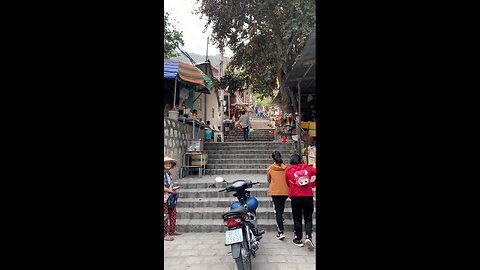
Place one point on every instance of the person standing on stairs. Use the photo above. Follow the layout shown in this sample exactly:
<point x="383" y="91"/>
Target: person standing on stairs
<point x="278" y="190"/>
<point x="169" y="215"/>
<point x="245" y="122"/>
<point x="300" y="183"/>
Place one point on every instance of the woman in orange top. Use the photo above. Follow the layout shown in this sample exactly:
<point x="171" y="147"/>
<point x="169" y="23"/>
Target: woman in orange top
<point x="278" y="190"/>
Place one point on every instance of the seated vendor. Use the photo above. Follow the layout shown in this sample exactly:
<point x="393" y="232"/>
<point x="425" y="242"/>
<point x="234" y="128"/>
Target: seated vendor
<point x="210" y="126"/>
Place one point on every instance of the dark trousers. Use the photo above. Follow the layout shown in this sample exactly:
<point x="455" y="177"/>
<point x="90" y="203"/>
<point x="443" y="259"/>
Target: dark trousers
<point x="279" y="208"/>
<point x="245" y="134"/>
<point x="302" y="205"/>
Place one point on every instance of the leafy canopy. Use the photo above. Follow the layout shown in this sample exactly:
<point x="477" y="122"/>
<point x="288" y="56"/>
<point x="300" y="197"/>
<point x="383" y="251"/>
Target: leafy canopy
<point x="171" y="37"/>
<point x="265" y="36"/>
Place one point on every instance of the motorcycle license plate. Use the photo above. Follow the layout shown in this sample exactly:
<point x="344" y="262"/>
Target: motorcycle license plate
<point x="233" y="236"/>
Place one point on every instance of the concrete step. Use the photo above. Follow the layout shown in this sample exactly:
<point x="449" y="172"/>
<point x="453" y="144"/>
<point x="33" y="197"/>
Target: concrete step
<point x="242" y="143"/>
<point x="249" y="139"/>
<point x="216" y="225"/>
<point x="213" y="193"/>
<point x="246" y="150"/>
<point x="260" y="130"/>
<point x="225" y="202"/>
<point x="222" y="172"/>
<point x="239" y="161"/>
<point x="265" y="213"/>
<point x="254" y="145"/>
<point x="238" y="166"/>
<point x="254" y="136"/>
<point x="215" y="155"/>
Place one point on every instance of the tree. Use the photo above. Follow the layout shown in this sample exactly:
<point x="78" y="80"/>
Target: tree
<point x="266" y="36"/>
<point x="172" y="37"/>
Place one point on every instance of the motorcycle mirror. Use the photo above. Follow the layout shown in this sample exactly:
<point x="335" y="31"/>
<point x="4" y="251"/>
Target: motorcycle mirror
<point x="219" y="179"/>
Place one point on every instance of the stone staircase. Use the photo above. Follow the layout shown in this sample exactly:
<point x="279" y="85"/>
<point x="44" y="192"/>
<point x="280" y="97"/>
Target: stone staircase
<point x="244" y="157"/>
<point x="200" y="206"/>
<point x="236" y="135"/>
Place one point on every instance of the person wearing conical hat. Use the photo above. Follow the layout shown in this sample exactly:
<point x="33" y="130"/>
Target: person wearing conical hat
<point x="169" y="215"/>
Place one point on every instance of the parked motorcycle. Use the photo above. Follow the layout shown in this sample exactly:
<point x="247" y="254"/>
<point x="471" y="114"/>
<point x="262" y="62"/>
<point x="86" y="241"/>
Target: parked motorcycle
<point x="242" y="233"/>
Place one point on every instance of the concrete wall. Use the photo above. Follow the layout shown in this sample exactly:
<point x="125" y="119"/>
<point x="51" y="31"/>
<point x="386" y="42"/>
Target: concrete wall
<point x="175" y="140"/>
<point x="212" y="105"/>
<point x="206" y="109"/>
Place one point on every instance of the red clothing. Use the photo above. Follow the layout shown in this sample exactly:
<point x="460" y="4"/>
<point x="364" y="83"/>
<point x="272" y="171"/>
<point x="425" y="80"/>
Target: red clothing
<point x="295" y="190"/>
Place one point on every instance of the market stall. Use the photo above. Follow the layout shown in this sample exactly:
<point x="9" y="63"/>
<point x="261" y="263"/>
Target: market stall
<point x="186" y="79"/>
<point x="302" y="78"/>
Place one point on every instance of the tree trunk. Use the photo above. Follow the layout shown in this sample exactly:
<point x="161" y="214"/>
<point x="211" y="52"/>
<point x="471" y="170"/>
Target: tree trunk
<point x="285" y="103"/>
<point x="293" y="98"/>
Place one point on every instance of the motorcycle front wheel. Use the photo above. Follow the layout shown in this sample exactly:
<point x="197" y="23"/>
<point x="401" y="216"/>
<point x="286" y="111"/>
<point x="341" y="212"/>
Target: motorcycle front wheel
<point x="244" y="261"/>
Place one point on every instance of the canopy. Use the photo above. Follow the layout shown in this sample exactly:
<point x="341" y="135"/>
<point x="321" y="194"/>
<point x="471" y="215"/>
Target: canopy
<point x="303" y="69"/>
<point x="187" y="72"/>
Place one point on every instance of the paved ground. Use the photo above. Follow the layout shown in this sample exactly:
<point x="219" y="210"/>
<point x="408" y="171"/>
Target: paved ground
<point x="206" y="251"/>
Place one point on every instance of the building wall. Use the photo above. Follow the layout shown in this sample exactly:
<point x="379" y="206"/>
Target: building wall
<point x="175" y="141"/>
<point x="210" y="106"/>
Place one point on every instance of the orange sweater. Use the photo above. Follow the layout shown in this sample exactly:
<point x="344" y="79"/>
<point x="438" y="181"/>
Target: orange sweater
<point x="277" y="186"/>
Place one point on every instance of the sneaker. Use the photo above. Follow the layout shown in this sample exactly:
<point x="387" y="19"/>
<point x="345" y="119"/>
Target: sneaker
<point x="309" y="244"/>
<point x="176" y="233"/>
<point x="280" y="236"/>
<point x="297" y="242"/>
<point x="168" y="238"/>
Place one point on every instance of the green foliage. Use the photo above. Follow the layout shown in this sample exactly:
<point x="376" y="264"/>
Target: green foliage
<point x="265" y="36"/>
<point x="262" y="101"/>
<point x="171" y="37"/>
<point x="234" y="81"/>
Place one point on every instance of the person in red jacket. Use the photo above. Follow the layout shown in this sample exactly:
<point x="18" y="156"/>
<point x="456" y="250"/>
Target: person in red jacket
<point x="300" y="183"/>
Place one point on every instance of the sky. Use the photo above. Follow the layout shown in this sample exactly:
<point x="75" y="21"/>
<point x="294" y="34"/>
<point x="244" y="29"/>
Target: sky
<point x="192" y="27"/>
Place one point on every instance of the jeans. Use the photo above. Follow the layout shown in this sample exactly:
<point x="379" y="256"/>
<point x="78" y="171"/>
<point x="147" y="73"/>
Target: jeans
<point x="245" y="134"/>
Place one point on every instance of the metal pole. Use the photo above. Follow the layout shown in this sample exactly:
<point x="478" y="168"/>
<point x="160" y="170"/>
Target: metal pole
<point x="175" y="92"/>
<point x="221" y="115"/>
<point x="229" y="106"/>
<point x="299" y="118"/>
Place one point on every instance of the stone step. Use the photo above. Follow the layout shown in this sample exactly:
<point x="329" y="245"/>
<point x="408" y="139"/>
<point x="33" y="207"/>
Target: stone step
<point x="249" y="139"/>
<point x="259" y="137"/>
<point x="214" y="155"/>
<point x="234" y="171"/>
<point x="264" y="146"/>
<point x="239" y="161"/>
<point x="265" y="213"/>
<point x="263" y="130"/>
<point x="225" y="202"/>
<point x="242" y="143"/>
<point x="251" y="152"/>
<point x="213" y="193"/>
<point x="255" y="131"/>
<point x="238" y="166"/>
<point x="216" y="225"/>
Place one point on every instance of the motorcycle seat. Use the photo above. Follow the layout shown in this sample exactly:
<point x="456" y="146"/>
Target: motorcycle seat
<point x="240" y="210"/>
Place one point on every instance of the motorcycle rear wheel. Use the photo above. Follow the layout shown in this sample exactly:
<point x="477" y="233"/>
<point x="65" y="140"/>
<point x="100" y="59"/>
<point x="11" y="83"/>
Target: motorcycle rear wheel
<point x="244" y="262"/>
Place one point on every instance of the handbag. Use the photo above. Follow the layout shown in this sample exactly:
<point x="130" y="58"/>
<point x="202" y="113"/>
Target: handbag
<point x="172" y="201"/>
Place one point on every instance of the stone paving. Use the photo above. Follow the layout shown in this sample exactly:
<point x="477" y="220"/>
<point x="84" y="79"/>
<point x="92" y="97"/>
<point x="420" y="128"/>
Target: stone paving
<point x="259" y="123"/>
<point x="206" y="251"/>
